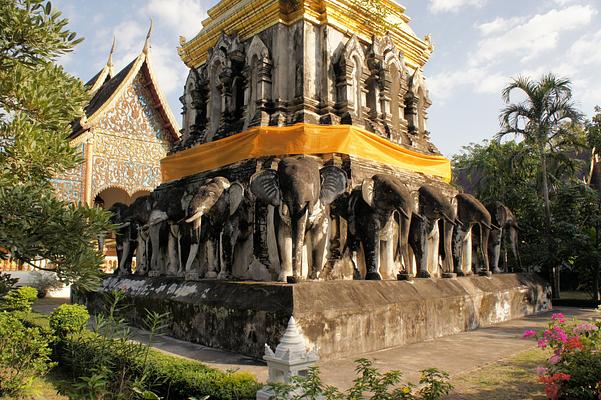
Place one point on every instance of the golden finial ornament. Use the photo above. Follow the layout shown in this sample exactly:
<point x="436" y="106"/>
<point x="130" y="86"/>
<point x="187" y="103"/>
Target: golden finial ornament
<point x="109" y="62"/>
<point x="147" y="42"/>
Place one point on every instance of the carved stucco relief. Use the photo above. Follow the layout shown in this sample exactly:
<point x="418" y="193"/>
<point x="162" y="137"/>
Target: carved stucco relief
<point x="69" y="185"/>
<point x="129" y="141"/>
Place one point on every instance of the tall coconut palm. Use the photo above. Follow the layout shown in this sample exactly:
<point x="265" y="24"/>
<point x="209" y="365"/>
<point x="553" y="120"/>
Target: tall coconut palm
<point x="540" y="118"/>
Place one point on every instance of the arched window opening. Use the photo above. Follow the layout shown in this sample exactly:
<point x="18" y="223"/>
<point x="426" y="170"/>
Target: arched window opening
<point x="106" y="198"/>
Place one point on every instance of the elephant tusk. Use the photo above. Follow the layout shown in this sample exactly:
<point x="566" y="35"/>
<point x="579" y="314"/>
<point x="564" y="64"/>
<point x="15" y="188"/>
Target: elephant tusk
<point x="408" y="216"/>
<point x="450" y="220"/>
<point x="124" y="225"/>
<point x="194" y="217"/>
<point x="156" y="222"/>
<point x="458" y="222"/>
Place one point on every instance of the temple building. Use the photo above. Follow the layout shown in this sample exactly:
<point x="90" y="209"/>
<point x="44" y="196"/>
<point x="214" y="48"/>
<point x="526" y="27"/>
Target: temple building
<point x="127" y="129"/>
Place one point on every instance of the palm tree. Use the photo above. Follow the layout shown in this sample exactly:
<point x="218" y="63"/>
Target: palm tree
<point x="541" y="119"/>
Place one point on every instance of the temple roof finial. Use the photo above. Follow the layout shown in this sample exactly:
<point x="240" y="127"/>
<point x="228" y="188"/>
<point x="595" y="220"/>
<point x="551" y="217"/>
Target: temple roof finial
<point x="147" y="42"/>
<point x="109" y="62"/>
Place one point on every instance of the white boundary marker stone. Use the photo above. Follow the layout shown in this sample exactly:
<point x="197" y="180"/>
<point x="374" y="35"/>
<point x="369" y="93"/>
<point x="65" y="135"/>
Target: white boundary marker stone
<point x="291" y="358"/>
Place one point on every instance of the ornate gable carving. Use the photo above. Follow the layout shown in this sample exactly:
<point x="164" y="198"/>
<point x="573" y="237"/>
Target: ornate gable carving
<point x="129" y="142"/>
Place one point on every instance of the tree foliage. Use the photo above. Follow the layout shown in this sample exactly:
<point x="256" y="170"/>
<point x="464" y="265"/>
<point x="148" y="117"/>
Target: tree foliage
<point x="511" y="172"/>
<point x="542" y="119"/>
<point x="38" y="102"/>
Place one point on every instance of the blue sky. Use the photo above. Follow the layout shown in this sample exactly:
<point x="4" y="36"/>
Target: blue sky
<point x="479" y="46"/>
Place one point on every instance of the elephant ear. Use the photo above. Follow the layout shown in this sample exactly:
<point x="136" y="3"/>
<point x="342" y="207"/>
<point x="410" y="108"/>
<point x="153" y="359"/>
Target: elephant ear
<point x="333" y="184"/>
<point x="264" y="185"/>
<point x="236" y="195"/>
<point x="367" y="191"/>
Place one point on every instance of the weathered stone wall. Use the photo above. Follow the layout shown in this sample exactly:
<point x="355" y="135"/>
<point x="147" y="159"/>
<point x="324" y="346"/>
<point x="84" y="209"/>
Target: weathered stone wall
<point x="341" y="318"/>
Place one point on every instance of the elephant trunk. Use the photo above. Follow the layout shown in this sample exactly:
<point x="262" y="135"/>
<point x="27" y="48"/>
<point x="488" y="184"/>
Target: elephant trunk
<point x="196" y="221"/>
<point x="447" y="254"/>
<point x="484" y="235"/>
<point x="403" y="240"/>
<point x="124" y="257"/>
<point x="299" y="227"/>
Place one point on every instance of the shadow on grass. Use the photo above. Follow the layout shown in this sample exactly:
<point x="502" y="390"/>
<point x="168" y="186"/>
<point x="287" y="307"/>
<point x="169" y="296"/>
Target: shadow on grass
<point x="510" y="379"/>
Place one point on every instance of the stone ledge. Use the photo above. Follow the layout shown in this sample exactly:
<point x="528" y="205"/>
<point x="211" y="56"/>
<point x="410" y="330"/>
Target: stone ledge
<point x="341" y="318"/>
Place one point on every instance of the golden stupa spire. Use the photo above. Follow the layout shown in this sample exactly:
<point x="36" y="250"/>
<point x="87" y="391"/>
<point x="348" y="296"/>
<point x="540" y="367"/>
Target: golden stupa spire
<point x="147" y="42"/>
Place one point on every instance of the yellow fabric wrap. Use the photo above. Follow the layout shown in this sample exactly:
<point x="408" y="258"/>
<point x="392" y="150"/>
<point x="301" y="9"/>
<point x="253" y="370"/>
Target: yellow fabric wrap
<point x="300" y="139"/>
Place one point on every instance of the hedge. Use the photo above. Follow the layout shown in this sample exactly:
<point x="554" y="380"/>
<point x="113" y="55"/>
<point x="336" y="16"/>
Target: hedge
<point x="172" y="377"/>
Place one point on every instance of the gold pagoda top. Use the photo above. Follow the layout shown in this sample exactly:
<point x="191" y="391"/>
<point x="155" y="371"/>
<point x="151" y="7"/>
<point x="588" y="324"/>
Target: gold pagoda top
<point x="250" y="17"/>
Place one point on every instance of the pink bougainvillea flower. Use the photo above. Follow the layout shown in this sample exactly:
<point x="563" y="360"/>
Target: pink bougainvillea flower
<point x="558" y="317"/>
<point x="542" y="343"/>
<point x="541" y="371"/>
<point x="560" y="334"/>
<point x="529" y="333"/>
<point x="584" y="327"/>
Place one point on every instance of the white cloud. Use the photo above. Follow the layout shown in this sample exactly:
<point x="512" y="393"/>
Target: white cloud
<point x="586" y="50"/>
<point x="183" y="16"/>
<point x="453" y="5"/>
<point x="498" y="24"/>
<point x="531" y="38"/>
<point x="169" y="69"/>
<point x="482" y="80"/>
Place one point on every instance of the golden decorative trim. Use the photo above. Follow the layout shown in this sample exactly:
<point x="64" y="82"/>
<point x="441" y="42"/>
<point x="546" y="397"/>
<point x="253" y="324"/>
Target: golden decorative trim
<point x="250" y="17"/>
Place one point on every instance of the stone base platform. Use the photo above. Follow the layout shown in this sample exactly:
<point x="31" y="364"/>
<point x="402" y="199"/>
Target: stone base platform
<point x="341" y="318"/>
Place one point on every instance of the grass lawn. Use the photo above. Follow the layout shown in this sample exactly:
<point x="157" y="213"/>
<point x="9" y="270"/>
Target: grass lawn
<point x="44" y="388"/>
<point x="576" y="295"/>
<point x="510" y="379"/>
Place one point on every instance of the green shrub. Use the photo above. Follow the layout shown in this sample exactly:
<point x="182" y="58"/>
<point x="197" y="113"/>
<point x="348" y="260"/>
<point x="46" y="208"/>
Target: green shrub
<point x="24" y="354"/>
<point x="7" y="283"/>
<point x="170" y="377"/>
<point x="69" y="318"/>
<point x="19" y="299"/>
<point x="370" y="382"/>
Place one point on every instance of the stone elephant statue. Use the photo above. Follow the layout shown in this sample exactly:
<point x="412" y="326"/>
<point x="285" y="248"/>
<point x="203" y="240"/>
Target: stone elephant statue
<point x="169" y="208"/>
<point x="126" y="235"/>
<point x="504" y="219"/>
<point x="139" y="215"/>
<point x="431" y="233"/>
<point x="371" y="211"/>
<point x="300" y="193"/>
<point x="471" y="212"/>
<point x="208" y="213"/>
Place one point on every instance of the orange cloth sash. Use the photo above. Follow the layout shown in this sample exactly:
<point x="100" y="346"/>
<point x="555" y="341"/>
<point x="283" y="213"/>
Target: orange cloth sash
<point x="300" y="139"/>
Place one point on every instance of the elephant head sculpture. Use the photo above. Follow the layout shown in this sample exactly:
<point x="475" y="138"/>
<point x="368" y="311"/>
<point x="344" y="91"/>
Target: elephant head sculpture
<point x="168" y="210"/>
<point x="301" y="193"/>
<point x="471" y="212"/>
<point x="126" y="234"/>
<point x="371" y="210"/>
<point x="210" y="207"/>
<point x="435" y="210"/>
<point x="503" y="218"/>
